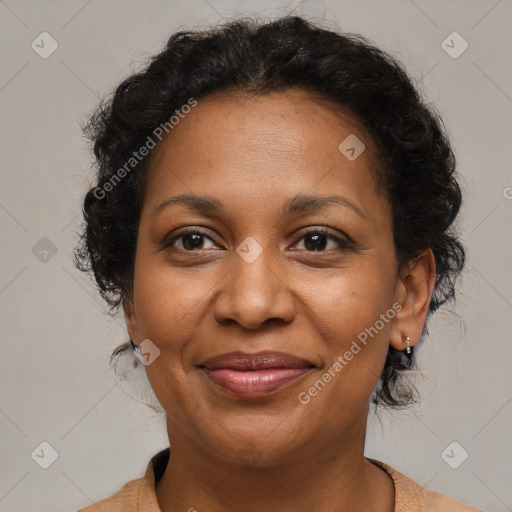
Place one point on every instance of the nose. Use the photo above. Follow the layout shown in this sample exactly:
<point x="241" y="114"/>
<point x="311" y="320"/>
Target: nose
<point x="254" y="293"/>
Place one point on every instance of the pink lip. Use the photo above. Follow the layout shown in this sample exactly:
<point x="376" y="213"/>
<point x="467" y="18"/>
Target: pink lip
<point x="255" y="375"/>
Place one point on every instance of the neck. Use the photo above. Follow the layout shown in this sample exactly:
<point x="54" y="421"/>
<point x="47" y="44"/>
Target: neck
<point x="334" y="477"/>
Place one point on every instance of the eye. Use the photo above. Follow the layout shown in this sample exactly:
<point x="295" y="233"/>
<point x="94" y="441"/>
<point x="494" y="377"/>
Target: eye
<point x="191" y="239"/>
<point x="317" y="240"/>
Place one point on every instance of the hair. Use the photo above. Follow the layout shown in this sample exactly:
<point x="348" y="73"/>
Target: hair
<point x="416" y="165"/>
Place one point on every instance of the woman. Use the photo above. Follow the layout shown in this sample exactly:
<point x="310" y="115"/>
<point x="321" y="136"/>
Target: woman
<point x="274" y="212"/>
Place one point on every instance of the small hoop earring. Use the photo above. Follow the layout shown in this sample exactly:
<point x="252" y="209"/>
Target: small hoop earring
<point x="407" y="341"/>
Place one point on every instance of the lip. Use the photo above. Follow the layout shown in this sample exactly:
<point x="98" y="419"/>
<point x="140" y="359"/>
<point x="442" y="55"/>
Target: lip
<point x="248" y="375"/>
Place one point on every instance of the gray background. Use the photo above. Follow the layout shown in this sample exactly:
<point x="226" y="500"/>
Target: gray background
<point x="56" y="339"/>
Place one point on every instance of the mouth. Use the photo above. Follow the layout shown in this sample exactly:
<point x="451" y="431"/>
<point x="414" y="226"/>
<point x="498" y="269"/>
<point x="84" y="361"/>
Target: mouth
<point x="248" y="375"/>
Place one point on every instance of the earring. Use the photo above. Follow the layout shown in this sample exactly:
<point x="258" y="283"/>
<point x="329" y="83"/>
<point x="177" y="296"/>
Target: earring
<point x="407" y="341"/>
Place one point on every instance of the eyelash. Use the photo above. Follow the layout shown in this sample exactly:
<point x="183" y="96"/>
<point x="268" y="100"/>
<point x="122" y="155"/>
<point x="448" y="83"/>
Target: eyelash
<point x="345" y="244"/>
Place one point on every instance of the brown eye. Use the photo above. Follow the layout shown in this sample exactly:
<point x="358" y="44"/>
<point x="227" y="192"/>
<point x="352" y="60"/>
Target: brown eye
<point x="318" y="241"/>
<point x="189" y="240"/>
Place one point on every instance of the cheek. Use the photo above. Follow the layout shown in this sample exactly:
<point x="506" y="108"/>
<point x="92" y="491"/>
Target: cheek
<point x="354" y="300"/>
<point x="168" y="300"/>
<point x="356" y="315"/>
<point x="355" y="347"/>
<point x="168" y="307"/>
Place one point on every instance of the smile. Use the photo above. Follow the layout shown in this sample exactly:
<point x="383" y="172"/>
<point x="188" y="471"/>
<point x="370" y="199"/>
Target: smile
<point x="255" y="375"/>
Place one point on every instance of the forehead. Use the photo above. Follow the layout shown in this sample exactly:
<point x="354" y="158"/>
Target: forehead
<point x="264" y="148"/>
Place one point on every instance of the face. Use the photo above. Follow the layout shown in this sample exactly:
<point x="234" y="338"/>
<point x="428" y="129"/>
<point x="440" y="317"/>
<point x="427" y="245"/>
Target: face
<point x="258" y="268"/>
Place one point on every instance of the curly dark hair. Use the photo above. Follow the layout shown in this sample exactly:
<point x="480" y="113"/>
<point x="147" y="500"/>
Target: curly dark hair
<point x="416" y="165"/>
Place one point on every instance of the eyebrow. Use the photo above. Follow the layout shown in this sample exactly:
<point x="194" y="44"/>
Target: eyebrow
<point x="300" y="203"/>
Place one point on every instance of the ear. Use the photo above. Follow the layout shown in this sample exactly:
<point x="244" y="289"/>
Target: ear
<point x="414" y="291"/>
<point x="130" y="317"/>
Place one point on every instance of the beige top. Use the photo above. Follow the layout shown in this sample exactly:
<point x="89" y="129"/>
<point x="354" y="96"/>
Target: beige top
<point x="139" y="495"/>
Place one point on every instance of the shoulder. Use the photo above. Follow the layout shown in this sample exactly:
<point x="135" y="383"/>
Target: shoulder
<point x="410" y="496"/>
<point x="127" y="495"/>
<point x="136" y="495"/>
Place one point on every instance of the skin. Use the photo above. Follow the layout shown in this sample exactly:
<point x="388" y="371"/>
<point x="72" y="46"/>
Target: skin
<point x="253" y="154"/>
